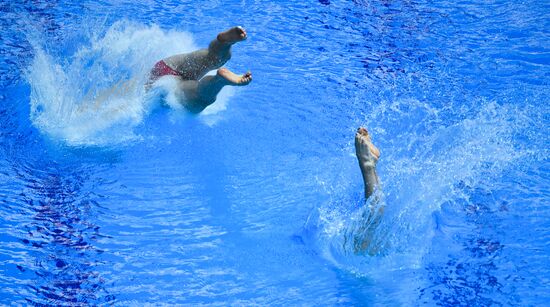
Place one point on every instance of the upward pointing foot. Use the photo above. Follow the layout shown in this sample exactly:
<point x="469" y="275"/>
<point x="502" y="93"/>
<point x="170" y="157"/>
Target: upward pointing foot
<point x="233" y="35"/>
<point x="234" y="79"/>
<point x="366" y="152"/>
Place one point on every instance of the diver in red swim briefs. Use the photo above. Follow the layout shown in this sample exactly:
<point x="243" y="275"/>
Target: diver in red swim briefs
<point x="190" y="69"/>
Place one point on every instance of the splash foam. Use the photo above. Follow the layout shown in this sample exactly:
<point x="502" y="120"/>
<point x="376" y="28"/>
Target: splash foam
<point x="96" y="96"/>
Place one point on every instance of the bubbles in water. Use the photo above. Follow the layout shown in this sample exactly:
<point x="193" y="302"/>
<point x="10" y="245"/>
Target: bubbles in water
<point x="96" y="96"/>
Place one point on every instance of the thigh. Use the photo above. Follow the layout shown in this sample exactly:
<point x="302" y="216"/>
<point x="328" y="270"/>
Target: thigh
<point x="191" y="66"/>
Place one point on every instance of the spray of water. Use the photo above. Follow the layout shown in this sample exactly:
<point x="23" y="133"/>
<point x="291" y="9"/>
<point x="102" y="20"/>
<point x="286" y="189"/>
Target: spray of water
<point x="424" y="159"/>
<point x="96" y="95"/>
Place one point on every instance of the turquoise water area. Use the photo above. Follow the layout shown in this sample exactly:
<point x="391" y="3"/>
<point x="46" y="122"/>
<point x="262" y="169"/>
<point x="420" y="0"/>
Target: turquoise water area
<point x="111" y="196"/>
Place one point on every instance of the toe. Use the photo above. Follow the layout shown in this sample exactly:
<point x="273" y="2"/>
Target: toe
<point x="241" y="31"/>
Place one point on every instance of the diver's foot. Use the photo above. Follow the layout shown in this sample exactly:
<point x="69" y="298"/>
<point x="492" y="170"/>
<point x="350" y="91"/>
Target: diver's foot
<point x="232" y="35"/>
<point x="234" y="79"/>
<point x="366" y="152"/>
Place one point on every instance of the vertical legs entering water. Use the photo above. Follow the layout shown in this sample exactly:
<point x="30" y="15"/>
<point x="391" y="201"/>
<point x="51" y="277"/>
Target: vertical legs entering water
<point x="367" y="156"/>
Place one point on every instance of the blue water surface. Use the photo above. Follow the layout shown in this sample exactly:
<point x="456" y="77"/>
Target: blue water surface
<point x="111" y="197"/>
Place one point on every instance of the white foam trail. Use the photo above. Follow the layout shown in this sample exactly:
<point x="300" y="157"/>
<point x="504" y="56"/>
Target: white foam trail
<point x="96" y="96"/>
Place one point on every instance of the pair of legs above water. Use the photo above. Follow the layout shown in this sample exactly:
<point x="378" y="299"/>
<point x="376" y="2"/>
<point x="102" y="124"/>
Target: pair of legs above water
<point x="190" y="70"/>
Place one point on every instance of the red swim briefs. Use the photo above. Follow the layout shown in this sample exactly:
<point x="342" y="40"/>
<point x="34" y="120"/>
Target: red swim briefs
<point x="161" y="69"/>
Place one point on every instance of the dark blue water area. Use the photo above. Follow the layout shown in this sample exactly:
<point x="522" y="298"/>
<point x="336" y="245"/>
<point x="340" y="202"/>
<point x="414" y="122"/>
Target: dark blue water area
<point x="123" y="199"/>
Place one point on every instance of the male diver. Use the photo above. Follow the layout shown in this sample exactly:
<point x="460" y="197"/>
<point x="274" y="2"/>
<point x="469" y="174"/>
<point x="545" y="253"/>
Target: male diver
<point x="190" y="69"/>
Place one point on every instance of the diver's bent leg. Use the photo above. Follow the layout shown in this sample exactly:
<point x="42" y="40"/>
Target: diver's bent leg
<point x="190" y="91"/>
<point x="195" y="99"/>
<point x="209" y="87"/>
<point x="203" y="93"/>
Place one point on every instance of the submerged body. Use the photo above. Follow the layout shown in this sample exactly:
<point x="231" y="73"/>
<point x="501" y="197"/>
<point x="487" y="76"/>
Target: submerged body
<point x="190" y="70"/>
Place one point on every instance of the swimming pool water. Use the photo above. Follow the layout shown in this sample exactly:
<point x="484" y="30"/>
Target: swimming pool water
<point x="116" y="199"/>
